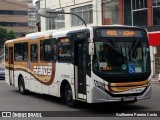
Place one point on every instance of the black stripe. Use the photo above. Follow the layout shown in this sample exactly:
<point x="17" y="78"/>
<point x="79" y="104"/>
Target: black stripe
<point x="15" y="24"/>
<point x="12" y="12"/>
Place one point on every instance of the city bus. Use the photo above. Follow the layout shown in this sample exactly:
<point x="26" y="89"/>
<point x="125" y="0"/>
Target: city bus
<point x="93" y="64"/>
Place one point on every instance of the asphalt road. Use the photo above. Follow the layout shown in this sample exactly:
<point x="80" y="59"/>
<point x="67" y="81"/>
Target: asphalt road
<point x="12" y="100"/>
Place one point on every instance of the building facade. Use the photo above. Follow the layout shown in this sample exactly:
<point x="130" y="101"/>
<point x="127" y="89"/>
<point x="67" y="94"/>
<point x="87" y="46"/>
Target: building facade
<point x="142" y="13"/>
<point x="14" y="16"/>
<point x="87" y="9"/>
<point x="31" y="16"/>
<point x="38" y="24"/>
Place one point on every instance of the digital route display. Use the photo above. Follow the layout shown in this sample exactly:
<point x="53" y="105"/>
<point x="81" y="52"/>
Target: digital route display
<point x="119" y="33"/>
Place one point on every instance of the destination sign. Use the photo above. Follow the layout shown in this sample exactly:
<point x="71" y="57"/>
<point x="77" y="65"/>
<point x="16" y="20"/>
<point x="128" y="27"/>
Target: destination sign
<point x="64" y="40"/>
<point x="119" y="33"/>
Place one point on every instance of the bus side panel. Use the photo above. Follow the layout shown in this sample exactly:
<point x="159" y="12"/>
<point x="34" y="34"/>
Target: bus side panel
<point x="26" y="79"/>
<point x="64" y="71"/>
<point x="54" y="89"/>
<point x="44" y="89"/>
<point x="34" y="85"/>
<point x="16" y="74"/>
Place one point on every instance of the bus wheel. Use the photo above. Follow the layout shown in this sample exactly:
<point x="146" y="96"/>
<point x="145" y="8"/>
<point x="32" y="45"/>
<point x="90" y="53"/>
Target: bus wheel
<point x="21" y="86"/>
<point x="69" y="97"/>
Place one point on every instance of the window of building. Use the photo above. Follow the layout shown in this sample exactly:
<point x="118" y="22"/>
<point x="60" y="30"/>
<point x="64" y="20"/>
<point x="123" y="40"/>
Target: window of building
<point x="50" y="23"/>
<point x="156" y="12"/>
<point x="85" y="12"/>
<point x="139" y="10"/>
<point x="25" y="51"/>
<point x="13" y="12"/>
<point x="13" y="24"/>
<point x="135" y="12"/>
<point x="6" y="53"/>
<point x="64" y="50"/>
<point x="111" y="12"/>
<point x="127" y="12"/>
<point x="18" y="52"/>
<point x="34" y="53"/>
<point x="136" y="18"/>
<point x="55" y="23"/>
<point x="139" y="4"/>
<point x="156" y="2"/>
<point x="48" y="50"/>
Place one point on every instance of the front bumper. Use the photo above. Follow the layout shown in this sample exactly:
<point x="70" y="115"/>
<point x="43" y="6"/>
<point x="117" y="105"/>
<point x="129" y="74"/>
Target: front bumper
<point x="99" y="96"/>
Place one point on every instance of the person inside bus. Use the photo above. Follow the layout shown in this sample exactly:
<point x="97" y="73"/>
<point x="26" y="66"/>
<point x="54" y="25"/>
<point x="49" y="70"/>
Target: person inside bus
<point x="60" y="50"/>
<point x="34" y="56"/>
<point x="103" y="53"/>
<point x="104" y="57"/>
<point x="54" y="53"/>
<point x="47" y="53"/>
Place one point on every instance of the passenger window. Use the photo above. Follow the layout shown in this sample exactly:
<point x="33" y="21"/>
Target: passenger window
<point x="18" y="52"/>
<point x="64" y="50"/>
<point x="48" y="50"/>
<point x="34" y="53"/>
<point x="25" y="51"/>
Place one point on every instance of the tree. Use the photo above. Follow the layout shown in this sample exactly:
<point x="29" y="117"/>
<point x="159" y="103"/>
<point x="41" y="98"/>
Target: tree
<point x="5" y="35"/>
<point x="10" y="35"/>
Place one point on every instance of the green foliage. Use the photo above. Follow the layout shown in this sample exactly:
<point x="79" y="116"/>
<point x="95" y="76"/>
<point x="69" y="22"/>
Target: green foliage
<point x="5" y="35"/>
<point x="10" y="35"/>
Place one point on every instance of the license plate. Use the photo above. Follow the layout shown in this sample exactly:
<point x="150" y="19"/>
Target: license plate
<point x="125" y="99"/>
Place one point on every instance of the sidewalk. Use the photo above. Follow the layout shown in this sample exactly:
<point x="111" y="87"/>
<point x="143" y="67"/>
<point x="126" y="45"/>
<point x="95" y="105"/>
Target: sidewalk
<point x="155" y="81"/>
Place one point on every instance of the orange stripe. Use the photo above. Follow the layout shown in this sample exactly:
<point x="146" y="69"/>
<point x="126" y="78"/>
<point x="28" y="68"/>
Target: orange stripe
<point x="128" y="84"/>
<point x="123" y="89"/>
<point x="46" y="80"/>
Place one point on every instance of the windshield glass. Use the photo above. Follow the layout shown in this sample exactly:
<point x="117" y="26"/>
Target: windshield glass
<point x="121" y="57"/>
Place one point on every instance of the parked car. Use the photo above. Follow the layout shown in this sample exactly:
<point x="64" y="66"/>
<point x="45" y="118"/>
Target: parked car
<point x="2" y="73"/>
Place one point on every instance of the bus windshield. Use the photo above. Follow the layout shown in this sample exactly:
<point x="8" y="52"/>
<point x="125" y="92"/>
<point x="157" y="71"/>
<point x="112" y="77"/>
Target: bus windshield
<point x="121" y="57"/>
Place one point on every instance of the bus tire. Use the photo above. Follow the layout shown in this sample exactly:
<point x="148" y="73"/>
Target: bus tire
<point x="69" y="97"/>
<point x="21" y="86"/>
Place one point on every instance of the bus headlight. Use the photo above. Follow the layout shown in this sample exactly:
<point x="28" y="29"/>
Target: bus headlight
<point x="99" y="85"/>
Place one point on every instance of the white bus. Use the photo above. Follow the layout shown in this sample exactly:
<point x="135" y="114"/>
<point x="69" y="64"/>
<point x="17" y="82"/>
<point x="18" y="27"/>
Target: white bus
<point x="93" y="64"/>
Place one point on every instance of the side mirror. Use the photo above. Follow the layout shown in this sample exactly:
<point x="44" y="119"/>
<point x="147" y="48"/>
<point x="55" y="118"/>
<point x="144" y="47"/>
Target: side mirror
<point x="91" y="49"/>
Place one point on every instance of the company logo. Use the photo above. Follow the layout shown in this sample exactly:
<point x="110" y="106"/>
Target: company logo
<point x="6" y="114"/>
<point x="43" y="70"/>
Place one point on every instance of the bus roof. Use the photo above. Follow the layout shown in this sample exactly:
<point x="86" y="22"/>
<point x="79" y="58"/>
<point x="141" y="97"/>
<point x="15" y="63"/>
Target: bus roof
<point x="62" y="33"/>
<point x="17" y="39"/>
<point x="38" y="34"/>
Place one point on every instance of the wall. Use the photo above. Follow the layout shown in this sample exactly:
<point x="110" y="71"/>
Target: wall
<point x="14" y="18"/>
<point x="67" y="5"/>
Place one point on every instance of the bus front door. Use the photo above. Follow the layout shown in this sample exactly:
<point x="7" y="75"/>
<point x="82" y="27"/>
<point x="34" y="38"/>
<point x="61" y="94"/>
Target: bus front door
<point x="80" y="69"/>
<point x="11" y="67"/>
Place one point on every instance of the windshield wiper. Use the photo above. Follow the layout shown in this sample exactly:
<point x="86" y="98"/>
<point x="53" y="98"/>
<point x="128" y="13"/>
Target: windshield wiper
<point x="115" y="46"/>
<point x="134" y="46"/>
